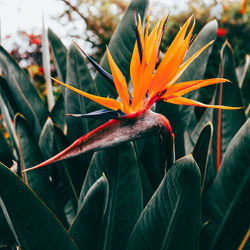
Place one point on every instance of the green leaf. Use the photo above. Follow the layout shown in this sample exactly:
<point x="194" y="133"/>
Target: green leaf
<point x="121" y="47"/>
<point x="67" y="175"/>
<point x="32" y="223"/>
<point x="197" y="69"/>
<point x="241" y="71"/>
<point x="171" y="219"/>
<point x="61" y="180"/>
<point x="227" y="203"/>
<point x="87" y="225"/>
<point x="6" y="156"/>
<point x="7" y="97"/>
<point x="152" y="155"/>
<point x="125" y="202"/>
<point x="243" y="79"/>
<point x="226" y="122"/>
<point x="192" y="138"/>
<point x="58" y="112"/>
<point x="171" y="111"/>
<point x="6" y="236"/>
<point x="9" y="123"/>
<point x="201" y="150"/>
<point x="23" y="92"/>
<point x="38" y="180"/>
<point x="59" y="54"/>
<point x="79" y="77"/>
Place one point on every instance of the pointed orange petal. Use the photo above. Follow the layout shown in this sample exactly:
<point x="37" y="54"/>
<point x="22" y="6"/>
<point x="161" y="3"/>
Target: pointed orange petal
<point x="180" y="35"/>
<point x="140" y="31"/>
<point x="186" y="101"/>
<point x="106" y="102"/>
<point x="186" y="64"/>
<point x="151" y="42"/>
<point x="147" y="70"/>
<point x="120" y="82"/>
<point x="182" y="88"/>
<point x="135" y="69"/>
<point x="172" y="60"/>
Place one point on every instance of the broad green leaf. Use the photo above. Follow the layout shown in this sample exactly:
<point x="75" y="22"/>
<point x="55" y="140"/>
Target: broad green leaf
<point x="201" y="150"/>
<point x="171" y="111"/>
<point x="79" y="77"/>
<point x="120" y="166"/>
<point x="61" y="181"/>
<point x="226" y="122"/>
<point x="197" y="69"/>
<point x="6" y="236"/>
<point x="67" y="175"/>
<point x="74" y="166"/>
<point x="152" y="155"/>
<point x="38" y="180"/>
<point x="243" y="75"/>
<point x="121" y="46"/>
<point x="23" y="92"/>
<point x="58" y="112"/>
<point x="59" y="54"/>
<point x="86" y="228"/>
<point x="147" y="189"/>
<point x="33" y="224"/>
<point x="192" y="138"/>
<point x="6" y="156"/>
<point x="227" y="203"/>
<point x="241" y="71"/>
<point x="8" y="121"/>
<point x="171" y="219"/>
<point x="7" y="97"/>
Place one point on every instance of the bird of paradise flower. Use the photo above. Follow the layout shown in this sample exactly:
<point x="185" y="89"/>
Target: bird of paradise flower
<point x="133" y="117"/>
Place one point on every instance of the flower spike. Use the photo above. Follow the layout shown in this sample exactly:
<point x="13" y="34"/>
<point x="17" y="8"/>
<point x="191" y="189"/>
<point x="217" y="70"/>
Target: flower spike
<point x="132" y="117"/>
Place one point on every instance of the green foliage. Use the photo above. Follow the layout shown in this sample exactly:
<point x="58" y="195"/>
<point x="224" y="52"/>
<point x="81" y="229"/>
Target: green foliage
<point x="126" y="197"/>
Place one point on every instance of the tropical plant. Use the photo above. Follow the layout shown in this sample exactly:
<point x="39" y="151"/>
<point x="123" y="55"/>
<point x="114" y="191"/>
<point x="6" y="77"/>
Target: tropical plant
<point x="149" y="186"/>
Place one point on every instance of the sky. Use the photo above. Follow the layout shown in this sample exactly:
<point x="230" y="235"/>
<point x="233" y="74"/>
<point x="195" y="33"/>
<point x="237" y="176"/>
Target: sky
<point x="27" y="15"/>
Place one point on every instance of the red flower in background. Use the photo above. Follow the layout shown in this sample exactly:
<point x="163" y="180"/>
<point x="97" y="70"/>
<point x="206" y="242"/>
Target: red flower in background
<point x="221" y="32"/>
<point x="41" y="71"/>
<point x="35" y="39"/>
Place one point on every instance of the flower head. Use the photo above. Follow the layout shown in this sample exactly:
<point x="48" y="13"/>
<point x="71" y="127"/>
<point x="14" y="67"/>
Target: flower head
<point x="150" y="83"/>
<point x="133" y="118"/>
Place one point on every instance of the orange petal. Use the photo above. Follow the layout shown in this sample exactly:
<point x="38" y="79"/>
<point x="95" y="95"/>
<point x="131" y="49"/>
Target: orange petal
<point x="182" y="88"/>
<point x="180" y="35"/>
<point x="151" y="42"/>
<point x="172" y="59"/>
<point x="147" y="70"/>
<point x="186" y="64"/>
<point x="106" y="102"/>
<point x="135" y="68"/>
<point x="120" y="82"/>
<point x="140" y="31"/>
<point x="186" y="101"/>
